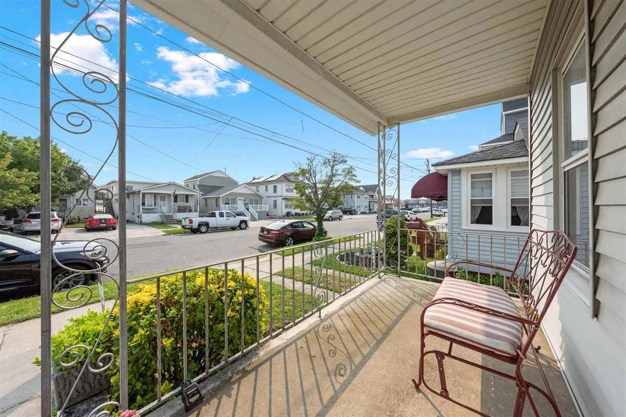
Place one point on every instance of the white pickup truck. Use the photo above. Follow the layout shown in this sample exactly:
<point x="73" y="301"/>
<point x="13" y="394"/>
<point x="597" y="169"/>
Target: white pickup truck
<point x="216" y="219"/>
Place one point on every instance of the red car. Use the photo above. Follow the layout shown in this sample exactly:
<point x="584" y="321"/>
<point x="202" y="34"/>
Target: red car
<point x="100" y="221"/>
<point x="287" y="232"/>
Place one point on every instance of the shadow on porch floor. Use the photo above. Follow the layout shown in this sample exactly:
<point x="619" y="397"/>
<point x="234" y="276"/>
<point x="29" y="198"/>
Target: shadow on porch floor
<point x="359" y="361"/>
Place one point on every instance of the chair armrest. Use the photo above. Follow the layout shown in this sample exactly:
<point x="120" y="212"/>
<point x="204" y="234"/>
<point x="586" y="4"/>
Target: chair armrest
<point x="475" y="263"/>
<point x="478" y="307"/>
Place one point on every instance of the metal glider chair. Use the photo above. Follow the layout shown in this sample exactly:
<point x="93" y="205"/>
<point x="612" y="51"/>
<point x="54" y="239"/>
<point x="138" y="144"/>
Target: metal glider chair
<point x="487" y="320"/>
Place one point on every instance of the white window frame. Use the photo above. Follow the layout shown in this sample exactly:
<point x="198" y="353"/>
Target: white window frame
<point x="467" y="215"/>
<point x="509" y="207"/>
<point x="575" y="160"/>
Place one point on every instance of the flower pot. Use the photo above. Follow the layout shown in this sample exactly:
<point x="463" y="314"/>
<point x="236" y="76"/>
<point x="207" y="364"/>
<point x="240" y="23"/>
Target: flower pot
<point x="89" y="385"/>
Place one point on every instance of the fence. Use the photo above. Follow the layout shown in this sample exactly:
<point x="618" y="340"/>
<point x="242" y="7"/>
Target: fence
<point x="190" y="323"/>
<point x="426" y="254"/>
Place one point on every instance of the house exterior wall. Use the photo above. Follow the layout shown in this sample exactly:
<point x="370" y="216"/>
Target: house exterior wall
<point x="490" y="244"/>
<point x="357" y="200"/>
<point x="591" y="350"/>
<point x="285" y="192"/>
<point x="217" y="179"/>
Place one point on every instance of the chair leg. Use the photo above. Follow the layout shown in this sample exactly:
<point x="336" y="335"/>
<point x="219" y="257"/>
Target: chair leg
<point x="442" y="376"/>
<point x="420" y="373"/>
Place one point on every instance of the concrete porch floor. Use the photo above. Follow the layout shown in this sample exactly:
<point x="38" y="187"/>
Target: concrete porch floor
<point x="359" y="361"/>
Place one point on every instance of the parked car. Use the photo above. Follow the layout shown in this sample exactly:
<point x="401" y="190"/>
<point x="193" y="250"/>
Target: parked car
<point x="390" y="213"/>
<point x="100" y="221"/>
<point x="440" y="212"/>
<point x="288" y="232"/>
<point x="216" y="219"/>
<point x="19" y="263"/>
<point x="333" y="215"/>
<point x="410" y="216"/>
<point x="5" y="224"/>
<point x="348" y="210"/>
<point x="32" y="223"/>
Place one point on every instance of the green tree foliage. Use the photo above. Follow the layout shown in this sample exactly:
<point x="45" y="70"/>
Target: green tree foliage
<point x="321" y="181"/>
<point x="19" y="172"/>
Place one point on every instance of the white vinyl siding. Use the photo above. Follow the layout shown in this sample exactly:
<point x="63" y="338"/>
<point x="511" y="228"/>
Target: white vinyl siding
<point x="591" y="351"/>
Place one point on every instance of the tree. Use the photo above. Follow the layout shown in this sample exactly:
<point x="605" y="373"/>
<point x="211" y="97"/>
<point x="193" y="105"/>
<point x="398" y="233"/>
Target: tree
<point x="19" y="173"/>
<point x="320" y="182"/>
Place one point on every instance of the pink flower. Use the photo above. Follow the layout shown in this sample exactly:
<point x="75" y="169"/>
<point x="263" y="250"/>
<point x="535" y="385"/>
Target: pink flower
<point x="129" y="413"/>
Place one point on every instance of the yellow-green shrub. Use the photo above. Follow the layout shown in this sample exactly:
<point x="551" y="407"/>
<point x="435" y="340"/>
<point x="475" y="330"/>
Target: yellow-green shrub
<point x="142" y="330"/>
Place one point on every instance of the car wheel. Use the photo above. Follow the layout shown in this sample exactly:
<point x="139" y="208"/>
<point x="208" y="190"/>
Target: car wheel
<point x="114" y="228"/>
<point x="203" y="228"/>
<point x="243" y="225"/>
<point x="61" y="277"/>
<point x="340" y="217"/>
<point x="289" y="241"/>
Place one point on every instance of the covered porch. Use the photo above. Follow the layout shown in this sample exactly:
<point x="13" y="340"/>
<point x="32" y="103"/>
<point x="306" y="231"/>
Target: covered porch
<point x="359" y="360"/>
<point x="379" y="65"/>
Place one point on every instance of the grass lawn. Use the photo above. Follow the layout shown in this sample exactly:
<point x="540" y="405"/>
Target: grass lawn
<point x="74" y="226"/>
<point x="15" y="311"/>
<point x="339" y="283"/>
<point x="162" y="226"/>
<point x="296" y="303"/>
<point x="296" y="249"/>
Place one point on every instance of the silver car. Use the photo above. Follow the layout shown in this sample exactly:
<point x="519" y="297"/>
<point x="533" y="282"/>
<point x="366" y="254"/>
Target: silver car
<point x="32" y="223"/>
<point x="333" y="215"/>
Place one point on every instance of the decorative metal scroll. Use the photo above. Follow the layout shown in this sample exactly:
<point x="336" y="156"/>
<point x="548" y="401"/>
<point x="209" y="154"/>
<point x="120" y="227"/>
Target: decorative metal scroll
<point x="75" y="112"/>
<point x="389" y="192"/>
<point x="318" y="253"/>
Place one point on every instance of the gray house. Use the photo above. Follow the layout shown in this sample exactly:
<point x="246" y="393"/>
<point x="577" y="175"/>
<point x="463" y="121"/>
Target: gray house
<point x="220" y="191"/>
<point x="488" y="204"/>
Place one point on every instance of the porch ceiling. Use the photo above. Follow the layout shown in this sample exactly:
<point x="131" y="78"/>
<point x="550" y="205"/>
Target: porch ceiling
<point x="375" y="61"/>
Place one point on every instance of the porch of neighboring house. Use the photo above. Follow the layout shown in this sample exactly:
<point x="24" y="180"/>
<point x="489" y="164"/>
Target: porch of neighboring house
<point x="165" y="206"/>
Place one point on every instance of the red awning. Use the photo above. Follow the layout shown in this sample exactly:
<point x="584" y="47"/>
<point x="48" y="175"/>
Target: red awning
<point x="433" y="186"/>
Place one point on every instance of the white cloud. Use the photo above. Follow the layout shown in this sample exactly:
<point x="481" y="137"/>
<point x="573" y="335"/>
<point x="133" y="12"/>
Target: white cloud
<point x="473" y="148"/>
<point x="84" y="53"/>
<point x="195" y="76"/>
<point x="138" y="47"/>
<point x="110" y="18"/>
<point x="430" y="153"/>
<point x="193" y="40"/>
<point x="442" y="117"/>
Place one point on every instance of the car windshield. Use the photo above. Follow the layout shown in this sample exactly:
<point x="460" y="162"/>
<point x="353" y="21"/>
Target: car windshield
<point x="102" y="216"/>
<point x="22" y="243"/>
<point x="277" y="225"/>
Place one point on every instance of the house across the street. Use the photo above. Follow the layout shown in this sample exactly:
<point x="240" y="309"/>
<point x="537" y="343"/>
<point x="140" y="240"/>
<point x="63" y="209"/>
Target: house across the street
<point x="83" y="203"/>
<point x="357" y="199"/>
<point x="278" y="191"/>
<point x="148" y="202"/>
<point x="372" y="197"/>
<point x="220" y="191"/>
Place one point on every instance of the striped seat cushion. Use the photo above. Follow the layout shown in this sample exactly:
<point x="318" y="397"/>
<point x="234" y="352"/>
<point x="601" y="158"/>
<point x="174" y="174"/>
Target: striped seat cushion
<point x="476" y="328"/>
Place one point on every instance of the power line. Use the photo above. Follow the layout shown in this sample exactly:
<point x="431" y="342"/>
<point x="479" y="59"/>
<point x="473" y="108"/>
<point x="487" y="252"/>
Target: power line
<point x="186" y="108"/>
<point x="72" y="146"/>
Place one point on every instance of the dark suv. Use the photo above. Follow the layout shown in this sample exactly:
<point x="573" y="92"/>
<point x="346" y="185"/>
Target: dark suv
<point x="348" y="210"/>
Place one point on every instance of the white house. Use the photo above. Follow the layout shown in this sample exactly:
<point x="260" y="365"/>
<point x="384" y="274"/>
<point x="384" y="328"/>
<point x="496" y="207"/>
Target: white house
<point x="148" y="202"/>
<point x="357" y="199"/>
<point x="83" y="203"/>
<point x="372" y="197"/>
<point x="278" y="191"/>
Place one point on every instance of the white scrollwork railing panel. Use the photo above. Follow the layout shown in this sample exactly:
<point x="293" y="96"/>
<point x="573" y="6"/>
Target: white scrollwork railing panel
<point x="83" y="108"/>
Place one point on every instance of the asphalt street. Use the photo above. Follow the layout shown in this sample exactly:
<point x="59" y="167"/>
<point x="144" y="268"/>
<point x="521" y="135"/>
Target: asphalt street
<point x="154" y="254"/>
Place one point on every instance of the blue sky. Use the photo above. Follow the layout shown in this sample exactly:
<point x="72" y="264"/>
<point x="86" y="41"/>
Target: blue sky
<point x="167" y="143"/>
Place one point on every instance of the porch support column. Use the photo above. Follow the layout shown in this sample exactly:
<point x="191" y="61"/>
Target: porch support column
<point x="45" y="273"/>
<point x="399" y="229"/>
<point x="122" y="212"/>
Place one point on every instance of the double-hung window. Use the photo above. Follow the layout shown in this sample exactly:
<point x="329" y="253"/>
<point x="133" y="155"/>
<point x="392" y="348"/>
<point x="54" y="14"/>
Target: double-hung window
<point x="518" y="201"/>
<point x="481" y="198"/>
<point x="575" y="155"/>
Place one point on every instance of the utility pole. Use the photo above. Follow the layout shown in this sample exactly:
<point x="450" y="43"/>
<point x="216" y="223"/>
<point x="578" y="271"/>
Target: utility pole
<point x="430" y="200"/>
